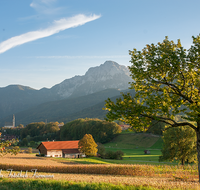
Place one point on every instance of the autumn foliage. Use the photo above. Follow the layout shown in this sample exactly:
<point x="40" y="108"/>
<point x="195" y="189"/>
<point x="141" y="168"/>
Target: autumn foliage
<point x="6" y="147"/>
<point x="88" y="146"/>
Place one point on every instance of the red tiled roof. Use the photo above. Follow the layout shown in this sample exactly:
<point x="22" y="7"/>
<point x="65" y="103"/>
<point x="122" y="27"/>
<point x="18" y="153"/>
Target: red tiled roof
<point x="53" y="145"/>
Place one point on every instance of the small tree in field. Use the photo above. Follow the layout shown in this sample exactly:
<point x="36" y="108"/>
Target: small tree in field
<point x="179" y="144"/>
<point x="30" y="150"/>
<point x="5" y="147"/>
<point x="88" y="146"/>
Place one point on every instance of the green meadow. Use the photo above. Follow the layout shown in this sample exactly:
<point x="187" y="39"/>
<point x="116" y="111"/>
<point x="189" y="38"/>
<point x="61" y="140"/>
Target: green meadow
<point x="133" y="146"/>
<point x="144" y="173"/>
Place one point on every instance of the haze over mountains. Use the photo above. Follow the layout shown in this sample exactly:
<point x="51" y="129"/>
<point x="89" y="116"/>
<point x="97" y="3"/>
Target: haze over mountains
<point x="67" y="98"/>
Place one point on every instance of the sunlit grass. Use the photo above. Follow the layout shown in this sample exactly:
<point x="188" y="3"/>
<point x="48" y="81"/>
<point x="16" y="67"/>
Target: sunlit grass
<point x="91" y="160"/>
<point x="151" y="160"/>
<point x="133" y="140"/>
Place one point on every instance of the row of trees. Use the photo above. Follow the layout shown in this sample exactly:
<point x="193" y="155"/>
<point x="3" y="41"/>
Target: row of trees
<point x="103" y="131"/>
<point x="40" y="131"/>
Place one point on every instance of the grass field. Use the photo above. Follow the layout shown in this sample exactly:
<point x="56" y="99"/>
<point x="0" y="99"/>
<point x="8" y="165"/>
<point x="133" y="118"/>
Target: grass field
<point x="161" y="177"/>
<point x="143" y="171"/>
<point x="133" y="140"/>
<point x="133" y="146"/>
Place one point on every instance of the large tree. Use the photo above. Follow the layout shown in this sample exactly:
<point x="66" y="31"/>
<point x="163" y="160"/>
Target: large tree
<point x="166" y="78"/>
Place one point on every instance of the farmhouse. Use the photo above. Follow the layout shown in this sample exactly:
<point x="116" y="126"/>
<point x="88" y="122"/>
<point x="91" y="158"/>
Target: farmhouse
<point x="65" y="149"/>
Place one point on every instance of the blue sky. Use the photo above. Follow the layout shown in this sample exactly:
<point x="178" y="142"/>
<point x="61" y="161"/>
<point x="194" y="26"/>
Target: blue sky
<point x="43" y="42"/>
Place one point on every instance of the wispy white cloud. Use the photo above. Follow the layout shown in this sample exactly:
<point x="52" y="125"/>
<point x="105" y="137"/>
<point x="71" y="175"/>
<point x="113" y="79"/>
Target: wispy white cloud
<point x="44" y="9"/>
<point x="56" y="27"/>
<point x="45" y="6"/>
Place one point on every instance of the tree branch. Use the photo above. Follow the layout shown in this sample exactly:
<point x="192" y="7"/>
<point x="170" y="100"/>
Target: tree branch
<point x="168" y="120"/>
<point x="174" y="88"/>
<point x="183" y="81"/>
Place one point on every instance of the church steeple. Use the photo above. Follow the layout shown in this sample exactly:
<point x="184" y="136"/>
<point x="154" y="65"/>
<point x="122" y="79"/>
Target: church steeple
<point x="13" y="120"/>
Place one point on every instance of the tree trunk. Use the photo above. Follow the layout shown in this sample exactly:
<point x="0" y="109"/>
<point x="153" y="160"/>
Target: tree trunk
<point x="198" y="147"/>
<point x="182" y="162"/>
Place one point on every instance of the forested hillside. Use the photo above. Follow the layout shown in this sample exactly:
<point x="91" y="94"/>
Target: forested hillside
<point x="101" y="130"/>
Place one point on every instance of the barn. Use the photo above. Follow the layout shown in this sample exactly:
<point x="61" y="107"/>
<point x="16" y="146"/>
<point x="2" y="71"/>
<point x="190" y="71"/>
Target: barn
<point x="65" y="149"/>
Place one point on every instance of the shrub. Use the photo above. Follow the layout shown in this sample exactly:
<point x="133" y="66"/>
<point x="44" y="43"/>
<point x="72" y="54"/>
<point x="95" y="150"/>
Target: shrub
<point x="109" y="154"/>
<point x="101" y="149"/>
<point x="118" y="155"/>
<point x="113" y="155"/>
<point x="30" y="150"/>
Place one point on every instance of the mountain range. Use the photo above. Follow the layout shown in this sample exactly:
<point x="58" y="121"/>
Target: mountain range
<point x="66" y="100"/>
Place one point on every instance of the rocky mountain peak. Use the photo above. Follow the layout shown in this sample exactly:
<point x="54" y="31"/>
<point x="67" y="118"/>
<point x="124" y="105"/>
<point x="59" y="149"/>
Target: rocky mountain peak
<point x="108" y="68"/>
<point x="107" y="75"/>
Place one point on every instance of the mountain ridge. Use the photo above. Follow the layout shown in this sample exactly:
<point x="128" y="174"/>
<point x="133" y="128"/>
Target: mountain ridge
<point x="18" y="98"/>
<point x="57" y="110"/>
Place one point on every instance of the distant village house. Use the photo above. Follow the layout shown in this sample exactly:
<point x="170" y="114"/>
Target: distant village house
<point x="7" y="137"/>
<point x="65" y="149"/>
<point x="125" y="127"/>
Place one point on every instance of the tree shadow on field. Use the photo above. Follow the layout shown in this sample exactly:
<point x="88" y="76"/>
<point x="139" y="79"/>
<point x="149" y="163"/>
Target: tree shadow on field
<point x="70" y="163"/>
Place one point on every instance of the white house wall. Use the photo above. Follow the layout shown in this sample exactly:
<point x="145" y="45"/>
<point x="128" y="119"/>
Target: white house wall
<point x="54" y="153"/>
